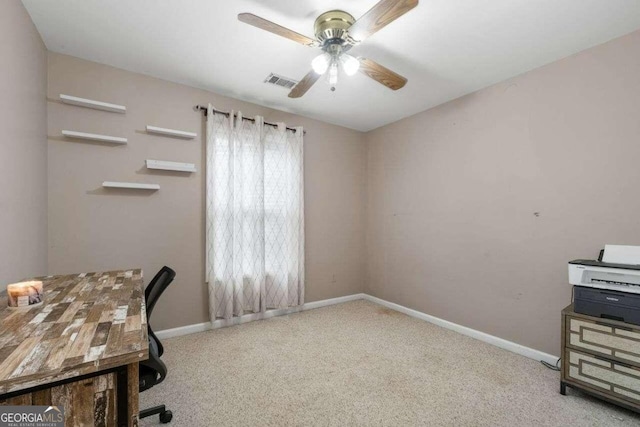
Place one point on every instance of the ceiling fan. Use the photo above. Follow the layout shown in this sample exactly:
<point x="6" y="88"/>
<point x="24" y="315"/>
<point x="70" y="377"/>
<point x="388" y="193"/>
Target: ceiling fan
<point x="336" y="32"/>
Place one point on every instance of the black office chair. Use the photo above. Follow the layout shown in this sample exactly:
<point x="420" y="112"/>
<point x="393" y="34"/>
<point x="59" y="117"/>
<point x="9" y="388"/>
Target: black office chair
<point x="153" y="371"/>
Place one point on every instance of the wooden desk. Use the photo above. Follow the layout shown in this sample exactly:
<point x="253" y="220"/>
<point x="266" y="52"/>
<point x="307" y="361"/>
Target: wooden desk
<point x="79" y="350"/>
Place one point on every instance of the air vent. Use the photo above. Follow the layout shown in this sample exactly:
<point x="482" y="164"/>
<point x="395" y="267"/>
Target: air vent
<point x="283" y="82"/>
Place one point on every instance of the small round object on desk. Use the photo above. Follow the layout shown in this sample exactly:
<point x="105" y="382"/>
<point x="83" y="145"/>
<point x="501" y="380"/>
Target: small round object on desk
<point x="25" y="294"/>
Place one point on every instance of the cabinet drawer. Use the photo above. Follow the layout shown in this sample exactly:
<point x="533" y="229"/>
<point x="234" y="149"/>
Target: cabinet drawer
<point x="606" y="340"/>
<point x="623" y="381"/>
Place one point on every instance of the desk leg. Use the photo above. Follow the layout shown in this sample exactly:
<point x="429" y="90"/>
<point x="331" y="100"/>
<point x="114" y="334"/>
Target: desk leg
<point x="128" y="407"/>
<point x="134" y="404"/>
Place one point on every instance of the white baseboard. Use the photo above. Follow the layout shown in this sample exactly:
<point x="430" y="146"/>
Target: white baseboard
<point x="183" y="330"/>
<point x="491" y="339"/>
<point x="333" y="301"/>
<point x="223" y="323"/>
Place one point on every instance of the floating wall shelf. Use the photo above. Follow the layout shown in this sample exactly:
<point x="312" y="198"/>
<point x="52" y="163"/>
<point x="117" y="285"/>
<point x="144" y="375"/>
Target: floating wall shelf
<point x="94" y="137"/>
<point x="171" y="166"/>
<point x="131" y="185"/>
<point x="90" y="103"/>
<point x="171" y="132"/>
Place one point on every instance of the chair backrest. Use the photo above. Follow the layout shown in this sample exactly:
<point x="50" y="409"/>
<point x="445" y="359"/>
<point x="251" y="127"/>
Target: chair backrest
<point x="153" y="371"/>
<point x="156" y="287"/>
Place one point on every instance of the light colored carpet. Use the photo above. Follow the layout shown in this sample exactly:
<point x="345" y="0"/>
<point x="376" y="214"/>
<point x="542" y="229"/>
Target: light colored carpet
<point x="361" y="364"/>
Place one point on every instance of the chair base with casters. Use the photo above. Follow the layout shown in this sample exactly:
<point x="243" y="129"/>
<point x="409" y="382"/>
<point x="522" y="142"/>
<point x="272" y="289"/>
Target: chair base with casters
<point x="149" y="377"/>
<point x="165" y="416"/>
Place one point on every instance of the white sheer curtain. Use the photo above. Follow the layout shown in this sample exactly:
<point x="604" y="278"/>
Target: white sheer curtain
<point x="255" y="216"/>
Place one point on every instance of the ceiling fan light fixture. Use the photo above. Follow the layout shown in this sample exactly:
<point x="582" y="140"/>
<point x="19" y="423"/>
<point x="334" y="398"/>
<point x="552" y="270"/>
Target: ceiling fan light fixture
<point x="350" y="65"/>
<point x="320" y="63"/>
<point x="333" y="73"/>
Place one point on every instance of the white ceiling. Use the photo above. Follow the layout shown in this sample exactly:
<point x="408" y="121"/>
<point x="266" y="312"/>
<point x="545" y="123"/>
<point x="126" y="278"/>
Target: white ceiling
<point x="446" y="48"/>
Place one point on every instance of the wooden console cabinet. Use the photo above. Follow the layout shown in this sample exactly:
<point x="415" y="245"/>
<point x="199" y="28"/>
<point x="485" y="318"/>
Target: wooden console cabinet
<point x="601" y="357"/>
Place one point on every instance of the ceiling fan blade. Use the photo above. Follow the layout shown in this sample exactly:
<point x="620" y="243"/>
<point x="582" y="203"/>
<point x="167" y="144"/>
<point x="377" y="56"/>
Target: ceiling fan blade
<point x="304" y="85"/>
<point x="379" y="16"/>
<point x="382" y="74"/>
<point x="272" y="27"/>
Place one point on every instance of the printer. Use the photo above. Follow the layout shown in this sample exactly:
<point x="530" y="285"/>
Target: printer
<point x="608" y="287"/>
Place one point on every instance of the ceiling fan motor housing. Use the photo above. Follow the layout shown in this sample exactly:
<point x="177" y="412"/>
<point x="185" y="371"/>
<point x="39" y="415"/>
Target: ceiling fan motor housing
<point x="331" y="29"/>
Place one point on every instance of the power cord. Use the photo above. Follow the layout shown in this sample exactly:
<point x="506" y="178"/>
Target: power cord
<point x="550" y="366"/>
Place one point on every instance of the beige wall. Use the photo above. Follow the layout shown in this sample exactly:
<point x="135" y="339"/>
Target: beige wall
<point x="92" y="229"/>
<point x="453" y="192"/>
<point x="23" y="149"/>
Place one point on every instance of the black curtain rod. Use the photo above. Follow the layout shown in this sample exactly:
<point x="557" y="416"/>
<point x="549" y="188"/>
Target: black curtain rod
<point x="226" y="113"/>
